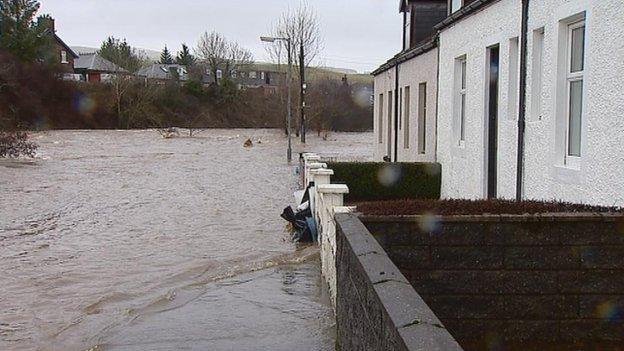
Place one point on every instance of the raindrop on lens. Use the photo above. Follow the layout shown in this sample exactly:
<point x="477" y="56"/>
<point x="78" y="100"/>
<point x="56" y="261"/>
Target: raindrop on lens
<point x="84" y="104"/>
<point x="389" y="174"/>
<point x="610" y="311"/>
<point x="429" y="223"/>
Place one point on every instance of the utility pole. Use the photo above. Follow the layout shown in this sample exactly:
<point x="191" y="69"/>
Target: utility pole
<point x="303" y="89"/>
<point x="289" y="116"/>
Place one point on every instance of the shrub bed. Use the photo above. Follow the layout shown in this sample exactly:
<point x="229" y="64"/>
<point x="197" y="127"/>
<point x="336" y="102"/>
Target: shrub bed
<point x="406" y="207"/>
<point x="370" y="181"/>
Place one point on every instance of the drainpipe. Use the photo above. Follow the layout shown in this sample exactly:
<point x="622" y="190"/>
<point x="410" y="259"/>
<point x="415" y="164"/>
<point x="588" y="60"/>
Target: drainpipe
<point x="396" y="112"/>
<point x="522" y="98"/>
<point x="435" y="133"/>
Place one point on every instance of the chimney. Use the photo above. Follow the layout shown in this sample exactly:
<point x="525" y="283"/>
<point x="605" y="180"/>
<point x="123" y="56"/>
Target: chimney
<point x="47" y="22"/>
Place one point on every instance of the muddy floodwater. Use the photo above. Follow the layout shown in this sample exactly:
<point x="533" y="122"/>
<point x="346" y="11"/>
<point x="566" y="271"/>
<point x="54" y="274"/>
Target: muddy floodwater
<point x="123" y="240"/>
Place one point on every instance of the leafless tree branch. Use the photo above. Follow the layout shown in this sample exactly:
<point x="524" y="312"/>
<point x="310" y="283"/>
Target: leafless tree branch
<point x="215" y="52"/>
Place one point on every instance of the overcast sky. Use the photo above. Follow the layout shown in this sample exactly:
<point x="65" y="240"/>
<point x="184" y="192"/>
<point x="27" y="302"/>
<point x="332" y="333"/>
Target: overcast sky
<point x="358" y="34"/>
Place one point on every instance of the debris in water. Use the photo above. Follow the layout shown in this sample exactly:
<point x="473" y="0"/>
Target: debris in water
<point x="248" y="143"/>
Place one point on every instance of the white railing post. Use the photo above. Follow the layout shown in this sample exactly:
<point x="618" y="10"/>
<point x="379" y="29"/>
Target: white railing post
<point x="329" y="196"/>
<point x="319" y="176"/>
<point x="309" y="167"/>
<point x="308" y="158"/>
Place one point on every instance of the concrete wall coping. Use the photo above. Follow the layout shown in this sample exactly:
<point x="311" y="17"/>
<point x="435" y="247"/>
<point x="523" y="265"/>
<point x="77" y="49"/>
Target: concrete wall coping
<point x="311" y="157"/>
<point x="317" y="165"/>
<point x="539" y="217"/>
<point x="322" y="171"/>
<point x="332" y="188"/>
<point x="344" y="209"/>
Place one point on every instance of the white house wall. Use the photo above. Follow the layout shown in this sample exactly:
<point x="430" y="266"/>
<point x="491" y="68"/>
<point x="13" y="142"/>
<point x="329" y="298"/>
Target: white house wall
<point x="463" y="167"/>
<point x="384" y="83"/>
<point x="600" y="177"/>
<point x="420" y="69"/>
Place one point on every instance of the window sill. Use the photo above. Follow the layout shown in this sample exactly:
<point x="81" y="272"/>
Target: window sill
<point x="567" y="174"/>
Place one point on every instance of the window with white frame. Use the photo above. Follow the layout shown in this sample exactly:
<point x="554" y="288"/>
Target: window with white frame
<point x="252" y="75"/>
<point x="456" y="5"/>
<point x="460" y="99"/>
<point x="63" y="56"/>
<point x="512" y="91"/>
<point x="234" y="74"/>
<point x="262" y="75"/>
<point x="380" y="117"/>
<point x="574" y="90"/>
<point x="537" y="73"/>
<point x="400" y="108"/>
<point x="422" y="117"/>
<point x="406" y="118"/>
<point x="219" y="74"/>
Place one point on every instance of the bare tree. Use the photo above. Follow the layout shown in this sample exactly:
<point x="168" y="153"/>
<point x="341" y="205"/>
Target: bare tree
<point x="217" y="53"/>
<point x="302" y="27"/>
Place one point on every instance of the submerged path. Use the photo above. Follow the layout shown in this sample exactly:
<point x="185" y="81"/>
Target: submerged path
<point x="122" y="240"/>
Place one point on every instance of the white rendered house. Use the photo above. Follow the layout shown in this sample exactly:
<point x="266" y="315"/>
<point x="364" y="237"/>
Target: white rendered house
<point x="554" y="93"/>
<point x="405" y="109"/>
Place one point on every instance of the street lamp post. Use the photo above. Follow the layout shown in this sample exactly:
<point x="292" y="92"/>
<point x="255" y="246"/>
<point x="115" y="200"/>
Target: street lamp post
<point x="289" y="119"/>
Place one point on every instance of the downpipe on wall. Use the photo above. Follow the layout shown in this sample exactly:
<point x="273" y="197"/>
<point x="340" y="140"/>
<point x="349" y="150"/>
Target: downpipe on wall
<point x="522" y="100"/>
<point x="396" y="112"/>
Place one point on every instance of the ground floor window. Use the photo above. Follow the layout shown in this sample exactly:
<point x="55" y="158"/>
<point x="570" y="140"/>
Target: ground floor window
<point x="574" y="90"/>
<point x="380" y="112"/>
<point x="459" y="103"/>
<point x="422" y="117"/>
<point x="406" y="118"/>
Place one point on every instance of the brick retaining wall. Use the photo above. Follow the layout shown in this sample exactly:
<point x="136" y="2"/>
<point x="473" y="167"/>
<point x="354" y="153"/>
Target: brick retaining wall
<point x="540" y="282"/>
<point x="376" y="307"/>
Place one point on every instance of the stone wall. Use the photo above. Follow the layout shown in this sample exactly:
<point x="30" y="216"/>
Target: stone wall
<point x="515" y="282"/>
<point x="376" y="307"/>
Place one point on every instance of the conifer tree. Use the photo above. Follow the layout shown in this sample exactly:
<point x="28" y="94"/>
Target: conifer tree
<point x="165" y="57"/>
<point x="121" y="53"/>
<point x="19" y="32"/>
<point x="185" y="57"/>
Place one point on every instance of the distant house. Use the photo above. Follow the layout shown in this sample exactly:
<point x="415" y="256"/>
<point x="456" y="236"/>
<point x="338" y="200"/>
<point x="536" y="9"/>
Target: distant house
<point x="161" y="73"/>
<point x="94" y="68"/>
<point x="253" y="77"/>
<point x="62" y="53"/>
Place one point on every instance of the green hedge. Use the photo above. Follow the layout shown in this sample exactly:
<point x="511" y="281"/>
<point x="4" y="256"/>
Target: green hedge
<point x="369" y="181"/>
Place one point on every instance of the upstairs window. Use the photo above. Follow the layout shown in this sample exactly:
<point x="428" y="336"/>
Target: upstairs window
<point x="575" y="74"/>
<point x="406" y="118"/>
<point x="456" y="5"/>
<point x="407" y="29"/>
<point x="64" y="56"/>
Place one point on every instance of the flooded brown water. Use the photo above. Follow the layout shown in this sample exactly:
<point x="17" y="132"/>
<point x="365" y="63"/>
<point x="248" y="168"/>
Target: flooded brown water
<point x="122" y="240"/>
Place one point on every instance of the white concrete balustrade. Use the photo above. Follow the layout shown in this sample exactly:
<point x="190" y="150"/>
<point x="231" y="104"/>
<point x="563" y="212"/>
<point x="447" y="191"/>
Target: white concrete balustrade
<point x="326" y="200"/>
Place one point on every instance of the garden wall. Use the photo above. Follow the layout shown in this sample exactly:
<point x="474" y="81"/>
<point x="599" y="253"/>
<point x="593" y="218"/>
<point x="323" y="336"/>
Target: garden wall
<point x="376" y="307"/>
<point x="538" y="282"/>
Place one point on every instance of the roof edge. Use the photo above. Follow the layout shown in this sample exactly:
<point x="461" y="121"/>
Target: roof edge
<point x="407" y="55"/>
<point x="463" y="12"/>
<point x="67" y="48"/>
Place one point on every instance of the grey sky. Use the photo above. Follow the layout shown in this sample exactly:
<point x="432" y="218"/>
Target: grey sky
<point x="358" y="34"/>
